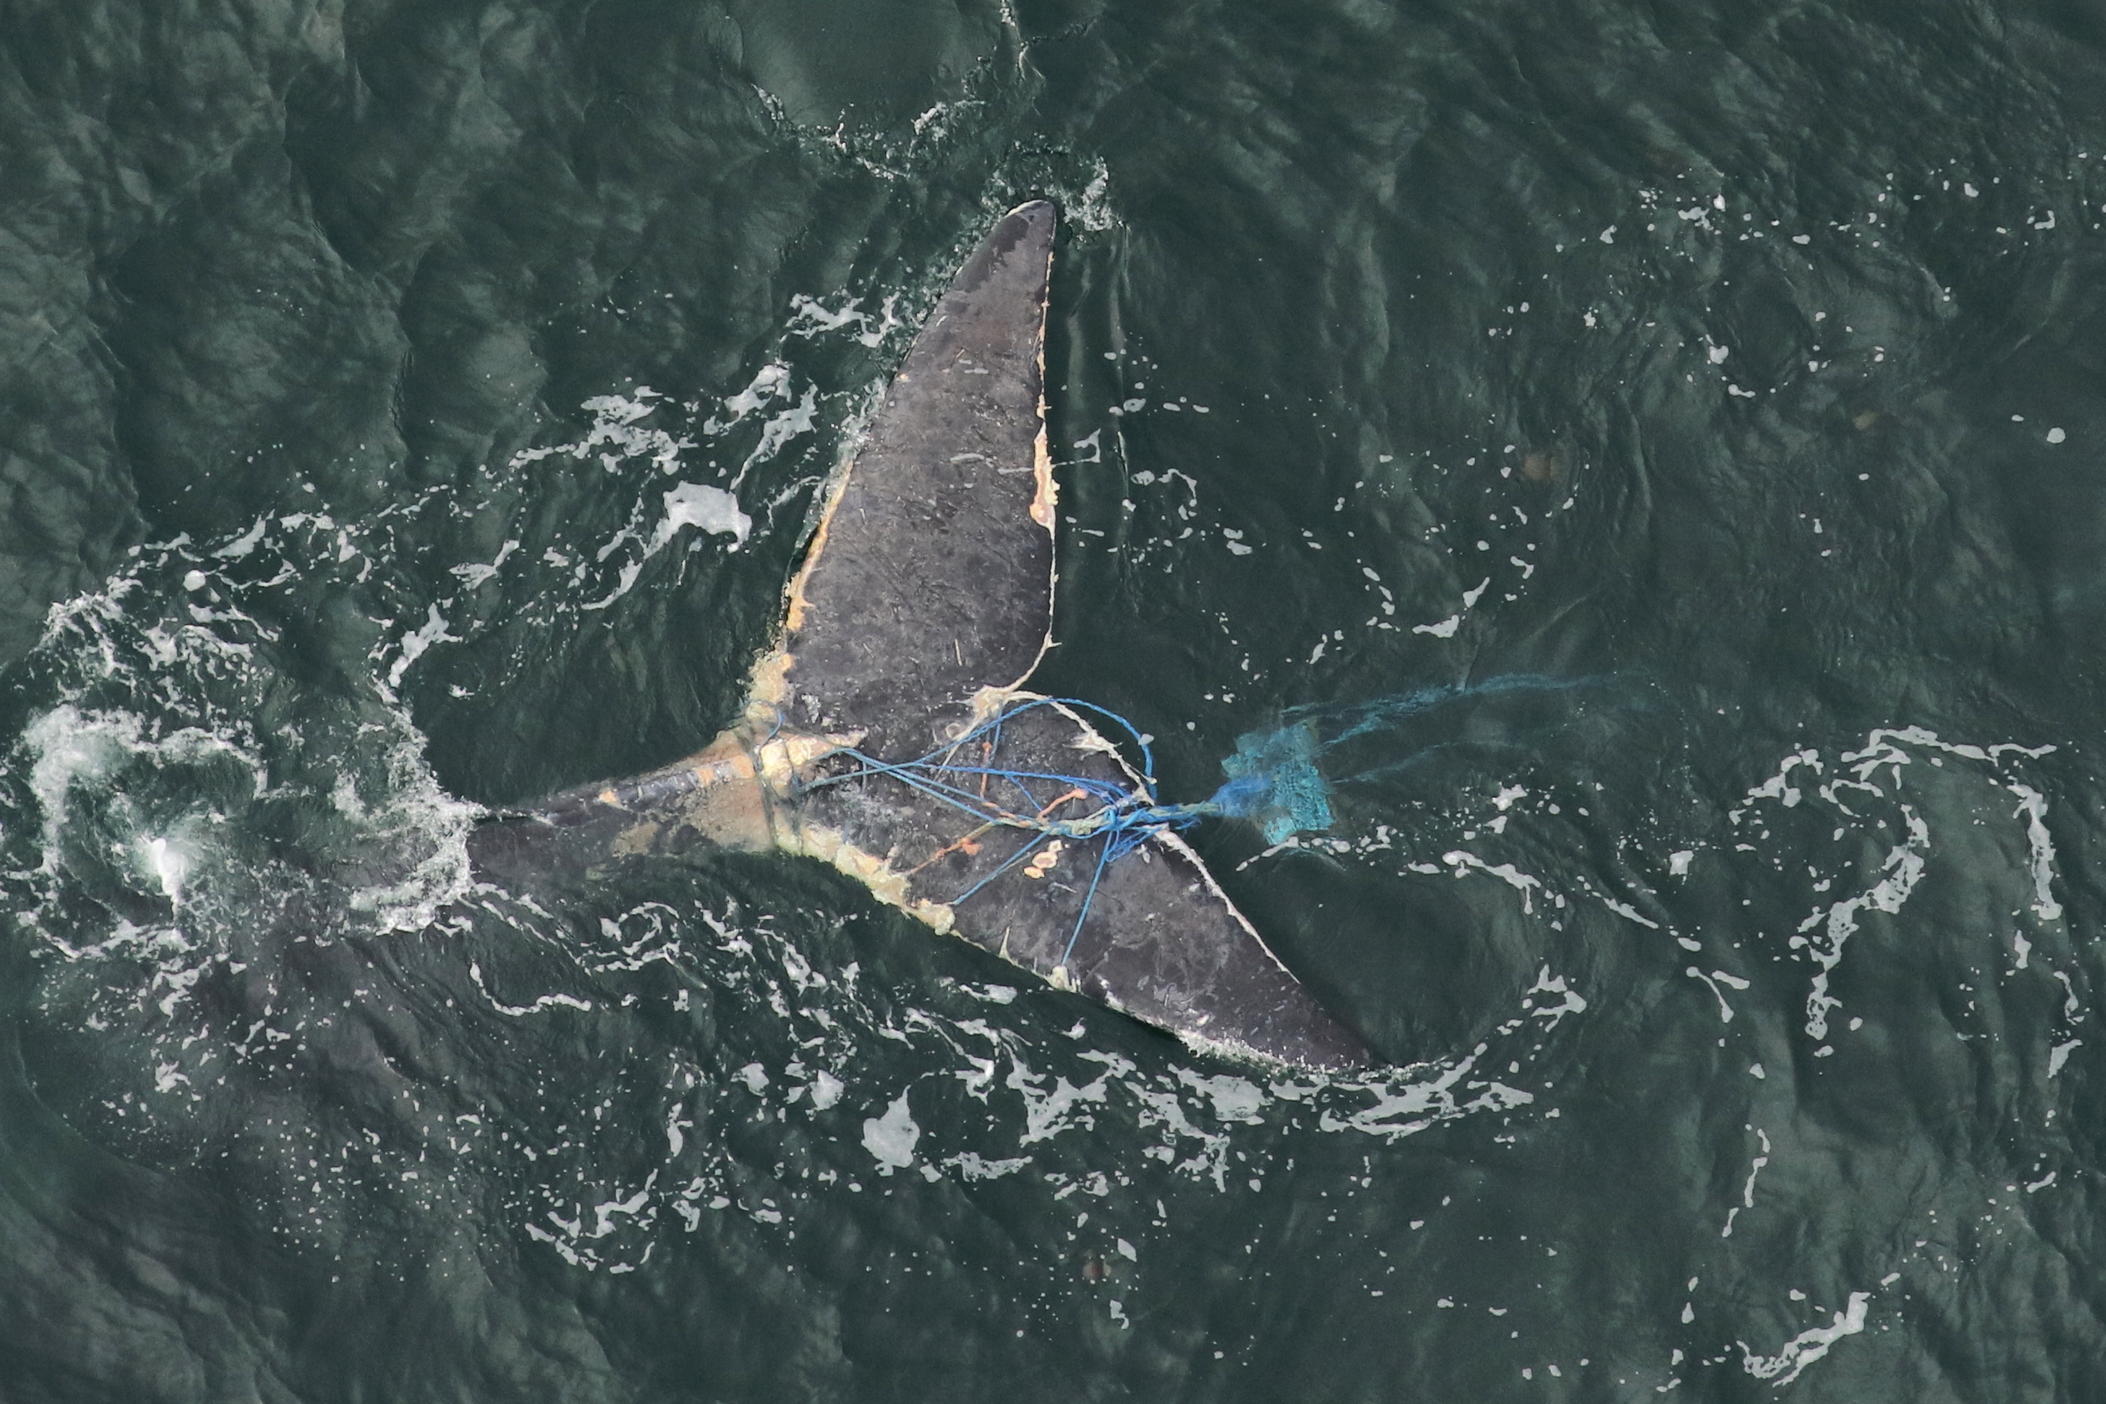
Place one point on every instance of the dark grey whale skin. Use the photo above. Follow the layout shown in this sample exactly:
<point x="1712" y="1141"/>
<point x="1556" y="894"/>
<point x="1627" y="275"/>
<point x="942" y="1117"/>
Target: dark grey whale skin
<point x="929" y="578"/>
<point x="922" y="605"/>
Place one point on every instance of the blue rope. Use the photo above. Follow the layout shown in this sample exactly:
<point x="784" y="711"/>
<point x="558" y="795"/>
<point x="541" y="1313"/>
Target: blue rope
<point x="1104" y="857"/>
<point x="1124" y="817"/>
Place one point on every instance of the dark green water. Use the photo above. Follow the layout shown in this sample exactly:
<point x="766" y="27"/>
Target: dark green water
<point x="1742" y="367"/>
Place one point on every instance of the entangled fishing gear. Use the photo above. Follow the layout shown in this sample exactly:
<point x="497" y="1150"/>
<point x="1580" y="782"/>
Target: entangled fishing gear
<point x="1274" y="780"/>
<point x="1122" y="817"/>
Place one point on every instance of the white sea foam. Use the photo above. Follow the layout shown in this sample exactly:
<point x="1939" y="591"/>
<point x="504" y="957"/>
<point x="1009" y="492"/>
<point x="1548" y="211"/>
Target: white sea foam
<point x="1852" y="786"/>
<point x="70" y="747"/>
<point x="706" y="508"/>
<point x="1747" y="1191"/>
<point x="810" y="317"/>
<point x="710" y="509"/>
<point x="891" y="1138"/>
<point x="617" y="435"/>
<point x="2040" y="851"/>
<point x="1524" y="883"/>
<point x="171" y="865"/>
<point x="790" y="423"/>
<point x="770" y="385"/>
<point x="541" y="1003"/>
<point x="1567" y="999"/>
<point x="1826" y="931"/>
<point x="1808" y="1346"/>
<point x="416" y="642"/>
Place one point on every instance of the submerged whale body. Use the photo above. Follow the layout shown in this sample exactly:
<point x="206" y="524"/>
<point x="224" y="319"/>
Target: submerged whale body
<point x="888" y="732"/>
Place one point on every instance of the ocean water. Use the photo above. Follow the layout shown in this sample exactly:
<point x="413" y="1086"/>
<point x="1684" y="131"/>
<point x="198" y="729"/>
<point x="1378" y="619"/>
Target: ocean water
<point x="1660" y="450"/>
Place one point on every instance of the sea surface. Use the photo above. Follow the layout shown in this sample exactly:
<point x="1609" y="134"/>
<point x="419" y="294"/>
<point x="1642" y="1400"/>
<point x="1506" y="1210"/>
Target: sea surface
<point x="1667" y="440"/>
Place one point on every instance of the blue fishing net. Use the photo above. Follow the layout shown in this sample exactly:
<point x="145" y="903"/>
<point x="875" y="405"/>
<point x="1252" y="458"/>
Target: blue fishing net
<point x="1274" y="783"/>
<point x="1285" y="779"/>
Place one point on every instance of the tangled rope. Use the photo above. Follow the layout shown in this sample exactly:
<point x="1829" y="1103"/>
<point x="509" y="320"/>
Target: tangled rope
<point x="1121" y="818"/>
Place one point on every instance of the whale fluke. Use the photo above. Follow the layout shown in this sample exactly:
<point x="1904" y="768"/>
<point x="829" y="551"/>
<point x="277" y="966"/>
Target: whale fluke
<point x="888" y="732"/>
<point x="930" y="574"/>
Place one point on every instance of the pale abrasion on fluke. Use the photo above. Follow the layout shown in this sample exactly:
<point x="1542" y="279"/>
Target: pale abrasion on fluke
<point x="888" y="733"/>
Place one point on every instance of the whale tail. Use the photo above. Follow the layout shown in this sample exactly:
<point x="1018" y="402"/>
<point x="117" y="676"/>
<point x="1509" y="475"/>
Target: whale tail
<point x="887" y="731"/>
